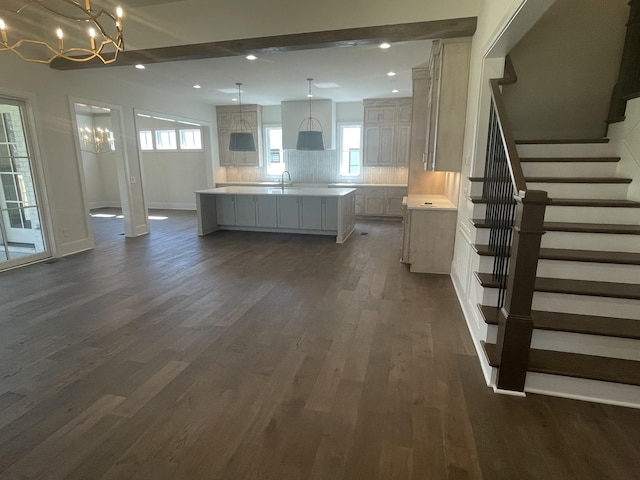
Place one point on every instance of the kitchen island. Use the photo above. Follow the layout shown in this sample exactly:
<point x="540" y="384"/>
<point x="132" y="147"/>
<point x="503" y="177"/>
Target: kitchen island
<point x="317" y="211"/>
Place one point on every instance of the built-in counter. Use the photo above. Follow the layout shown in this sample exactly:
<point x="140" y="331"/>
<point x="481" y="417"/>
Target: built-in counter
<point x="319" y="211"/>
<point x="428" y="233"/>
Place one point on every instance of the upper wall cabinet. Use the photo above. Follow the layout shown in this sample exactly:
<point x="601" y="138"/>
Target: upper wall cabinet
<point x="447" y="105"/>
<point x="295" y="112"/>
<point x="228" y="118"/>
<point x="387" y="128"/>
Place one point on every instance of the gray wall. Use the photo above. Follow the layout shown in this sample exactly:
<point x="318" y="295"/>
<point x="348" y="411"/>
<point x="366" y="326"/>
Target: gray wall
<point x="567" y="65"/>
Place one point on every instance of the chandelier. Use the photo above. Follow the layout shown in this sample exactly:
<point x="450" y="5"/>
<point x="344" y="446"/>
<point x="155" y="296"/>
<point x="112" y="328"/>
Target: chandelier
<point x="102" y="38"/>
<point x="99" y="138"/>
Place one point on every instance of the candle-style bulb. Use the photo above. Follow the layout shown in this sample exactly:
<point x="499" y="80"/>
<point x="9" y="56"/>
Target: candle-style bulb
<point x="119" y="12"/>
<point x="3" y="32"/>
<point x="60" y="35"/>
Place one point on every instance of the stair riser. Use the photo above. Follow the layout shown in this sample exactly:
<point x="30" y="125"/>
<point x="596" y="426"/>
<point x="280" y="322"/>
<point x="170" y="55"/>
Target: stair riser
<point x="569" y="169"/>
<point x="567" y="150"/>
<point x="580" y="304"/>
<point x="582" y="241"/>
<point x="586" y="305"/>
<point x="603" y="346"/>
<point x="600" y="191"/>
<point x="603" y="272"/>
<point x="578" y="388"/>
<point x="582" y="190"/>
<point x="553" y="213"/>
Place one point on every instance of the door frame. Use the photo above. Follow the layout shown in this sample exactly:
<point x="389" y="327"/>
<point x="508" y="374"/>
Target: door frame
<point x="45" y="205"/>
<point x="122" y="164"/>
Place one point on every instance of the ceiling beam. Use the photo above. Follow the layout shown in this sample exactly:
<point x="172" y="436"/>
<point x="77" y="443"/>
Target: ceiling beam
<point x="456" y="27"/>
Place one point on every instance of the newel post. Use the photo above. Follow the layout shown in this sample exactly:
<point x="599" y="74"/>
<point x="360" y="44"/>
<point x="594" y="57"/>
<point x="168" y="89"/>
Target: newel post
<point x="514" y="333"/>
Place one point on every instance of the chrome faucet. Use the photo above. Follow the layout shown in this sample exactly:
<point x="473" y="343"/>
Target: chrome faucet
<point x="282" y="179"/>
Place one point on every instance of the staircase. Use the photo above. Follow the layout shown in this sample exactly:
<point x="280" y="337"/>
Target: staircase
<point x="586" y="304"/>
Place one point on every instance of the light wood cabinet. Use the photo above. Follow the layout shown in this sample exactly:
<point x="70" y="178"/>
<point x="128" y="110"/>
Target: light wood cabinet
<point x="446" y="105"/>
<point x="428" y="240"/>
<point x="228" y="119"/>
<point x="387" y="132"/>
<point x="383" y="201"/>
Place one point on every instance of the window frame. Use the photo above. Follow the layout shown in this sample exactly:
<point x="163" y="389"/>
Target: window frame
<point x="339" y="151"/>
<point x="267" y="151"/>
<point x="177" y="136"/>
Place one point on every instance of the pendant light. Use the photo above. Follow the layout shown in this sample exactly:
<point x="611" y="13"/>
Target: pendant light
<point x="309" y="139"/>
<point x="241" y="138"/>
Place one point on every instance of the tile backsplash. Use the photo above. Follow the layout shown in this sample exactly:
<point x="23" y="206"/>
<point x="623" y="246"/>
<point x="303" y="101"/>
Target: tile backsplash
<point x="313" y="167"/>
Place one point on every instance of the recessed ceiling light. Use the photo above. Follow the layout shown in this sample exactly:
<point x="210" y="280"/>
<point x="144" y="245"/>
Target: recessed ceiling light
<point x="251" y="57"/>
<point x="395" y="90"/>
<point x="234" y="99"/>
<point x="140" y="66"/>
<point x="391" y="74"/>
<point x="384" y="45"/>
<point x="309" y="95"/>
<point x="197" y="86"/>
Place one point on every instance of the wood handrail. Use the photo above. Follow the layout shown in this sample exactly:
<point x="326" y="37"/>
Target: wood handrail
<point x="515" y="168"/>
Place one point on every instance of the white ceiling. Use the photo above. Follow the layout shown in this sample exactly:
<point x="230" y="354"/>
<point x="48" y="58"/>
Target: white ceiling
<point x="360" y="72"/>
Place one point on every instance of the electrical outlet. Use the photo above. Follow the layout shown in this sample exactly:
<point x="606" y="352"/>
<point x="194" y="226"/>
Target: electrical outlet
<point x="133" y="179"/>
<point x="65" y="232"/>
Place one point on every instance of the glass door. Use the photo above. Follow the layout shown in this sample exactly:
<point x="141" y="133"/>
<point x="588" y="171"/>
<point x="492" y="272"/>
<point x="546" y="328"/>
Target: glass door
<point x="21" y="231"/>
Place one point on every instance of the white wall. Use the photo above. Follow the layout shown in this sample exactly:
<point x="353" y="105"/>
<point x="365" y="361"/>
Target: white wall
<point x="625" y="137"/>
<point x="171" y="177"/>
<point x="501" y="24"/>
<point x="567" y="66"/>
<point x="47" y="92"/>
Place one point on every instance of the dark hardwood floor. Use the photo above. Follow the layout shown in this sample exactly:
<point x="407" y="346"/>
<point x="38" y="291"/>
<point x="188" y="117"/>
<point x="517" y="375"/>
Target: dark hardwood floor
<point x="268" y="356"/>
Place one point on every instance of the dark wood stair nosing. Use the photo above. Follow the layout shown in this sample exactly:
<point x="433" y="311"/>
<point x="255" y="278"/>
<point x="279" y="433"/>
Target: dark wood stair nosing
<point x="572" y="180"/>
<point x="572" y="323"/>
<point x="569" y="159"/>
<point x="568" y="255"/>
<point x="577" y="365"/>
<point x="560" y="141"/>
<point x="576" y="202"/>
<point x="609" y="228"/>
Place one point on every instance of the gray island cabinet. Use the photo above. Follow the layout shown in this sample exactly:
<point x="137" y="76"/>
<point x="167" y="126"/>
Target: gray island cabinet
<point x="318" y="211"/>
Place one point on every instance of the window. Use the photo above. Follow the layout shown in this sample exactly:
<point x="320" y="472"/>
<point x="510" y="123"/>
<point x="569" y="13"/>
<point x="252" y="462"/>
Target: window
<point x="166" y="140"/>
<point x="275" y="154"/>
<point x="146" y="140"/>
<point x="190" y="139"/>
<point x="350" y="150"/>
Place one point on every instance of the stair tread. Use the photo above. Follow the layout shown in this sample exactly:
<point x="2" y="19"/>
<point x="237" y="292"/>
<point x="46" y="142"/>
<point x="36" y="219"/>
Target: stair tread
<point x="574" y="323"/>
<point x="561" y="141"/>
<point x="577" y="365"/>
<point x="578" y="179"/>
<point x="578" y="202"/>
<point x="569" y="159"/>
<point x="569" y="255"/>
<point x="595" y="180"/>
<point x="592" y="227"/>
<point x="576" y="227"/>
<point x="574" y="287"/>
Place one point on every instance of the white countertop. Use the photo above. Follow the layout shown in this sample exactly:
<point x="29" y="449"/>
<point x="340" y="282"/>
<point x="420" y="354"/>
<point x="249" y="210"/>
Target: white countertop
<point x="293" y="191"/>
<point x="354" y="185"/>
<point x="311" y="185"/>
<point x="428" y="202"/>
